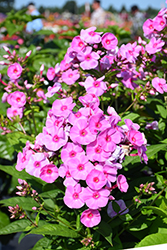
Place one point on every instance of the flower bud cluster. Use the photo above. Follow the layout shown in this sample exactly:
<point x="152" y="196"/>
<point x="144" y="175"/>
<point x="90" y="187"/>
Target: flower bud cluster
<point x="16" y="212"/>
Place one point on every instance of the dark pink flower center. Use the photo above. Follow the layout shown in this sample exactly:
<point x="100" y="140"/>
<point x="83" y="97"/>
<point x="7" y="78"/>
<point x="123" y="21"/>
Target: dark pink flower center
<point x="155" y="45"/>
<point x="56" y="138"/>
<point x="80" y="44"/>
<point x="72" y="154"/>
<point x="98" y="150"/>
<point x="49" y="171"/>
<point x="131" y="52"/>
<point x="96" y="179"/>
<point x="56" y="123"/>
<point x="90" y="215"/>
<point x="162" y="23"/>
<point x="133" y="139"/>
<point x="96" y="195"/>
<point x="160" y="85"/>
<point x="18" y="99"/>
<point x="78" y="114"/>
<point x="151" y="27"/>
<point x="80" y="167"/>
<point x="70" y="75"/>
<point x="96" y="84"/>
<point x="68" y="174"/>
<point x="14" y="112"/>
<point x="88" y="57"/>
<point x="64" y="107"/>
<point x="98" y="125"/>
<point x="91" y="33"/>
<point x="108" y="138"/>
<point x="83" y="132"/>
<point x="75" y="196"/>
<point x="15" y="70"/>
<point x="37" y="164"/>
<point x="108" y="42"/>
<point x="23" y="159"/>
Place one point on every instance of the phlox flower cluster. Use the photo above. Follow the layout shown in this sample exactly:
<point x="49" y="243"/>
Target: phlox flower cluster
<point x="98" y="51"/>
<point x="85" y="148"/>
<point x="17" y="94"/>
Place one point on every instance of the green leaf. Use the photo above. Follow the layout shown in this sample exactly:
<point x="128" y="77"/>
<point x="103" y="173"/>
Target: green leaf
<point x="19" y="174"/>
<point x="131" y="116"/>
<point x="44" y="242"/>
<point x="51" y="194"/>
<point x="55" y="229"/>
<point x="25" y="202"/>
<point x="153" y="239"/>
<point x="4" y="220"/>
<point x="14" y="227"/>
<point x="6" y="150"/>
<point x="157" y="210"/>
<point x="104" y="229"/>
<point x="162" y="110"/>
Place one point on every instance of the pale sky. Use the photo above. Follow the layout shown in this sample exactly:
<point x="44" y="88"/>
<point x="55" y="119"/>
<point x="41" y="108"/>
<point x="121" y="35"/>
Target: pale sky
<point x="142" y="4"/>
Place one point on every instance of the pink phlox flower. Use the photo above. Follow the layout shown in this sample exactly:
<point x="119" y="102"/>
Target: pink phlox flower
<point x="155" y="45"/>
<point x="122" y="183"/>
<point x="148" y="27"/>
<point x="75" y="116"/>
<point x="136" y="138"/>
<point x="71" y="56"/>
<point x="35" y="163"/>
<point x="13" y="112"/>
<point x="111" y="111"/>
<point x="54" y="121"/>
<point x="50" y="73"/>
<point x="55" y="139"/>
<point x="73" y="197"/>
<point x="109" y="41"/>
<point x="128" y="78"/>
<point x="49" y="173"/>
<point x="95" y="199"/>
<point x="159" y="23"/>
<point x="109" y="170"/>
<point x="98" y="123"/>
<point x="63" y="107"/>
<point x="130" y="51"/>
<point x="27" y="85"/>
<point x="14" y="71"/>
<point x="109" y="138"/>
<point x="77" y="44"/>
<point x="40" y="137"/>
<point x="130" y="125"/>
<point x="54" y="89"/>
<point x="90" y="218"/>
<point x="88" y="59"/>
<point x="71" y="151"/>
<point x="96" y="179"/>
<point x="95" y="152"/>
<point x="96" y="87"/>
<point x="64" y="172"/>
<point x="153" y="125"/>
<point x="80" y="132"/>
<point x="159" y="84"/>
<point x="4" y="97"/>
<point x="90" y="36"/>
<point x="89" y="100"/>
<point x="65" y="63"/>
<point x="17" y="99"/>
<point x="123" y="209"/>
<point x="80" y="167"/>
<point x="70" y="76"/>
<point x="22" y="159"/>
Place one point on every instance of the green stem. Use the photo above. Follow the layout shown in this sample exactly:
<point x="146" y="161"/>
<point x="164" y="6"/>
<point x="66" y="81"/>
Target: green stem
<point x="33" y="118"/>
<point x="129" y="107"/>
